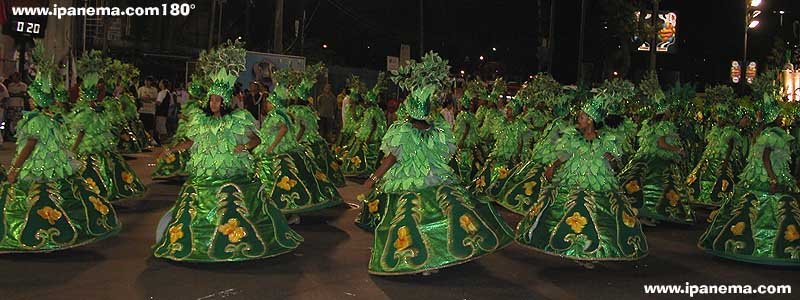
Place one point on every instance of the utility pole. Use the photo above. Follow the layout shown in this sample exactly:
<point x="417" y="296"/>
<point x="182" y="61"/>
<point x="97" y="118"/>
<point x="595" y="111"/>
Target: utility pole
<point x="219" y="25"/>
<point x="278" y="26"/>
<point x="654" y="36"/>
<point x="551" y="37"/>
<point x="303" y="35"/>
<point x="580" y="41"/>
<point x="211" y="26"/>
<point x="421" y="28"/>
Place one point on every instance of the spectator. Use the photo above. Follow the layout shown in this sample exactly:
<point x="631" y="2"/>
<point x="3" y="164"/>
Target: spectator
<point x="252" y="101"/>
<point x="327" y="109"/>
<point x="164" y="102"/>
<point x="75" y="90"/>
<point x="18" y="92"/>
<point x="3" y="98"/>
<point x="147" y="110"/>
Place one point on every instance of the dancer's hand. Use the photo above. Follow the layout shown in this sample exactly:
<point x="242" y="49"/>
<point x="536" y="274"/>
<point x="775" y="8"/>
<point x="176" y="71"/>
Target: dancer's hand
<point x="773" y="187"/>
<point x="368" y="184"/>
<point x="12" y="175"/>
<point x="548" y="173"/>
<point x="240" y="148"/>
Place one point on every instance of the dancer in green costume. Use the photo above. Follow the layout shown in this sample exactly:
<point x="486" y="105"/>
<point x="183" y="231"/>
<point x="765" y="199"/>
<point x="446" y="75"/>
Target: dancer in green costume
<point x="582" y="214"/>
<point x="352" y="113"/>
<point x="309" y="136"/>
<point x="120" y="77"/>
<point x="93" y="141"/>
<point x="522" y="188"/>
<point x="221" y="213"/>
<point x="429" y="222"/>
<point x="467" y="160"/>
<point x="712" y="179"/>
<point x="362" y="155"/>
<point x="653" y="178"/>
<point x="46" y="206"/>
<point x="290" y="177"/>
<point x="173" y="165"/>
<point x="761" y="223"/>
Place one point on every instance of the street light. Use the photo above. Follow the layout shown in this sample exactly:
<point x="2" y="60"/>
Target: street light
<point x="750" y="22"/>
<point x="481" y="58"/>
<point x="494" y="49"/>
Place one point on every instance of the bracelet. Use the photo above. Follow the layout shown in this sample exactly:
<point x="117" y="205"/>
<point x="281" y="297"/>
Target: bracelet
<point x="373" y="178"/>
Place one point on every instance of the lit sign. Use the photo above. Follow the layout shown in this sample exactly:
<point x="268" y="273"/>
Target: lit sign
<point x="750" y="73"/>
<point x="736" y="72"/>
<point x="667" y="32"/>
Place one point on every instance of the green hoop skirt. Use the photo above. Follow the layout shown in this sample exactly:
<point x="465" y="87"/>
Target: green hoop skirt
<point x="521" y="190"/>
<point x="756" y="227"/>
<point x="361" y="159"/>
<point x="657" y="190"/>
<point x="295" y="184"/>
<point x="324" y="159"/>
<point x="583" y="225"/>
<point x="224" y="220"/>
<point x="171" y="165"/>
<point x="434" y="228"/>
<point x="109" y="175"/>
<point x="52" y="216"/>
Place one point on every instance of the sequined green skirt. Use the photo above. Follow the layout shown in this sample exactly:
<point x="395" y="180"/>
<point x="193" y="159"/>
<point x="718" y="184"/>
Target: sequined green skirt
<point x="434" y="228"/>
<point x="493" y="177"/>
<point x="51" y="216"/>
<point x="326" y="161"/>
<point x="129" y="141"/>
<point x="171" y="165"/>
<point x="109" y="175"/>
<point x="711" y="182"/>
<point x="756" y="227"/>
<point x="578" y="224"/>
<point x="219" y="220"/>
<point x="657" y="189"/>
<point x="520" y="191"/>
<point x="466" y="164"/>
<point x="295" y="184"/>
<point x="361" y="159"/>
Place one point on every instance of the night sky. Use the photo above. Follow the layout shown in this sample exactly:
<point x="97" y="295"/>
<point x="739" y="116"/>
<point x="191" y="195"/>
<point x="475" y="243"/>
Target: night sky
<point x="361" y="33"/>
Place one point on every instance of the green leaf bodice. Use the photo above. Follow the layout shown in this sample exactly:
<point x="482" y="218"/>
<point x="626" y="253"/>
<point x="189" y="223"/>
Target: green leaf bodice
<point x="215" y="139"/>
<point x="585" y="164"/>
<point x="717" y="142"/>
<point x="269" y="131"/>
<point x="480" y="114"/>
<point x="651" y="133"/>
<point x="112" y="110"/>
<point x="545" y="150"/>
<point x="96" y="127"/>
<point x="536" y="119"/>
<point x="508" y="135"/>
<point x="492" y="118"/>
<point x="353" y="114"/>
<point x="370" y="115"/>
<point x="422" y="157"/>
<point x="463" y="119"/>
<point x="50" y="159"/>
<point x="128" y="106"/>
<point x="305" y="115"/>
<point x="625" y="134"/>
<point x="754" y="174"/>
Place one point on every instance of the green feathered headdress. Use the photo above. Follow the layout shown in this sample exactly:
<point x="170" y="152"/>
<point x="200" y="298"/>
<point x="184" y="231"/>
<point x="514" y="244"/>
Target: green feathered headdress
<point x="42" y="88"/>
<point x="119" y="72"/>
<point x="680" y="96"/>
<point x="767" y="89"/>
<point x="93" y="66"/>
<point x="544" y="89"/>
<point x="356" y="87"/>
<point x="285" y="82"/>
<point x="222" y="85"/>
<point x="653" y="94"/>
<point x="526" y="95"/>
<point x="423" y="80"/>
<point x="790" y="111"/>
<point x="308" y="78"/>
<point x="380" y="86"/>
<point x="744" y="108"/>
<point x="230" y="56"/>
<point x="618" y="95"/>
<point x="596" y="107"/>
<point x="473" y="89"/>
<point x="718" y="94"/>
<point x="516" y="105"/>
<point x="499" y="88"/>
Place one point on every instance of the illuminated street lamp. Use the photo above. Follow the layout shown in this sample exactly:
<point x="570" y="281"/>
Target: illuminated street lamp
<point x="481" y="58"/>
<point x="750" y="22"/>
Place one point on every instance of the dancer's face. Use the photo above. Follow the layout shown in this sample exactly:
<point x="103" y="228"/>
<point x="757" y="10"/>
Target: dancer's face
<point x="584" y="122"/>
<point x="215" y="104"/>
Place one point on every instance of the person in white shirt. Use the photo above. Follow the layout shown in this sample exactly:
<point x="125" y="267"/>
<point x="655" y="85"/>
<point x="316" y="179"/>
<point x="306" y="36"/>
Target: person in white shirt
<point x="164" y="102"/>
<point x="147" y="110"/>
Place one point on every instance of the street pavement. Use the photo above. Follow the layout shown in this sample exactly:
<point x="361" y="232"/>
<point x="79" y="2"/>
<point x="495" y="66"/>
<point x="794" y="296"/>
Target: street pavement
<point x="332" y="264"/>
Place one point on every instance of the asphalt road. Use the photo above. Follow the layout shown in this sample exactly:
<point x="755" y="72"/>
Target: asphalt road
<point x="332" y="264"/>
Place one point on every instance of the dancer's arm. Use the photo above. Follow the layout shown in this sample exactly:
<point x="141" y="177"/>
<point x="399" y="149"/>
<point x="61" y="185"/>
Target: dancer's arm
<point x="78" y="141"/>
<point x="551" y="169"/>
<point x="281" y="133"/>
<point x="773" y="180"/>
<point x="386" y="163"/>
<point x="463" y="136"/>
<point x="23" y="156"/>
<point x="662" y="143"/>
<point x="251" y="144"/>
<point x="301" y="132"/>
<point x="372" y="130"/>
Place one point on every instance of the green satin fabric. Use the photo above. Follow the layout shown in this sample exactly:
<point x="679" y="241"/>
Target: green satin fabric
<point x="51" y="216"/>
<point x="109" y="175"/>
<point x="216" y="220"/>
<point x="171" y="166"/>
<point x="493" y="177"/>
<point x="657" y="190"/>
<point x="465" y="164"/>
<point x="520" y="191"/>
<point x="361" y="159"/>
<point x="431" y="229"/>
<point x="325" y="160"/>
<point x="295" y="184"/>
<point x="131" y="141"/>
<point x="579" y="224"/>
<point x="756" y="227"/>
<point x="713" y="180"/>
